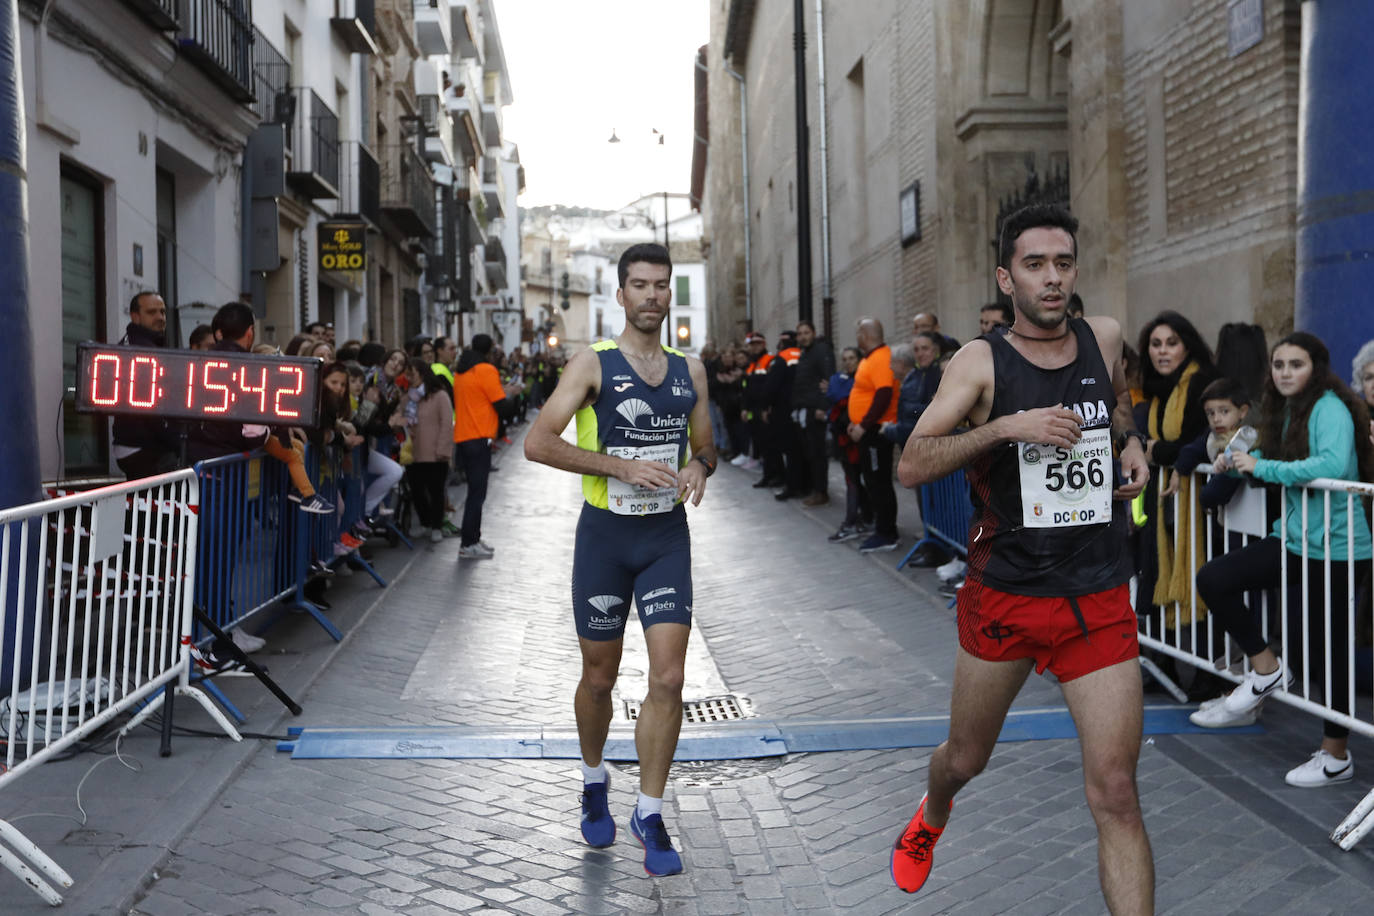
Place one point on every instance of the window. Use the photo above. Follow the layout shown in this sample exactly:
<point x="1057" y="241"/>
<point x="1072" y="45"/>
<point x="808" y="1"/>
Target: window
<point x="683" y="296"/>
<point x="683" y="333"/>
<point x="84" y="440"/>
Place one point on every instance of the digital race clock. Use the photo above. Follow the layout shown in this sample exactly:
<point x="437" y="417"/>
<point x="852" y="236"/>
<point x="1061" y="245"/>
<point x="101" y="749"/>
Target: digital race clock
<point x="198" y="384"/>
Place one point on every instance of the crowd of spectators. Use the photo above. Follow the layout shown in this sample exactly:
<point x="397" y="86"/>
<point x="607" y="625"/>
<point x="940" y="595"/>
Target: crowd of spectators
<point x="1247" y="413"/>
<point x="418" y="418"/>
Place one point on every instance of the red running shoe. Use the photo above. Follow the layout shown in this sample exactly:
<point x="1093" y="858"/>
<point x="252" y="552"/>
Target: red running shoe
<point x="911" y="854"/>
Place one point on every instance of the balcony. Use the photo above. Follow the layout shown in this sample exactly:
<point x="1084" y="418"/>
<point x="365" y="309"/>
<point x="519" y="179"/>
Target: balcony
<point x="407" y="191"/>
<point x="360" y="190"/>
<point x="495" y="258"/>
<point x="442" y="272"/>
<point x="273" y="102"/>
<point x="160" y="14"/>
<point x="491" y="124"/>
<point x="438" y="128"/>
<point x="315" y="145"/>
<point x="217" y="36"/>
<point x="465" y="28"/>
<point x="356" y="24"/>
<point x="493" y="186"/>
<point x="432" y="23"/>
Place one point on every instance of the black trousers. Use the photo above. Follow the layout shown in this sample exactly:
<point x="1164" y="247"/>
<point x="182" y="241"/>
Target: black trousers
<point x="1223" y="582"/>
<point x="475" y="456"/>
<point x="426" y="481"/>
<point x="875" y="468"/>
<point x="817" y="462"/>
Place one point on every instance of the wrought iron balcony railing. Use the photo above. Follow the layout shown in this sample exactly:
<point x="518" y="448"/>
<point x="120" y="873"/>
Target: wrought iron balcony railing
<point x="361" y="188"/>
<point x="273" y="102"/>
<point x="315" y="145"/>
<point x="218" y="36"/>
<point x="407" y="191"/>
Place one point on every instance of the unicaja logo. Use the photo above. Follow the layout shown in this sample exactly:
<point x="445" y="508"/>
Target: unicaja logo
<point x="604" y="603"/>
<point x="633" y="409"/>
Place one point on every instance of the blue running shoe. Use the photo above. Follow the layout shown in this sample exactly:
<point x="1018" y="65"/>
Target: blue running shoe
<point x="660" y="858"/>
<point x="598" y="827"/>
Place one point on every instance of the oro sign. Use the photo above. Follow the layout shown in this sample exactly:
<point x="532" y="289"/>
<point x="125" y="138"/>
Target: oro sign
<point x="343" y="246"/>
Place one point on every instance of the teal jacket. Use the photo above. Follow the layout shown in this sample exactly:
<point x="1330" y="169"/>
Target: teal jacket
<point x="1331" y="453"/>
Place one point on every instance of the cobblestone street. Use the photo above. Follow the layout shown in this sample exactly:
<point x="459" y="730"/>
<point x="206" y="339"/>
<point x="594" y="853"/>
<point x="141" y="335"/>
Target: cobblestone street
<point x="799" y="627"/>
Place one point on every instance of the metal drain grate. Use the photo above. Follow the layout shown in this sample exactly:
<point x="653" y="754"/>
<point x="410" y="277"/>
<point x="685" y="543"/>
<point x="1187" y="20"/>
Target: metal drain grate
<point x="711" y="709"/>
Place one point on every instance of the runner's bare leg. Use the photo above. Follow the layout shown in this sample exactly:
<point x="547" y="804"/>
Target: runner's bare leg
<point x="1107" y="709"/>
<point x="592" y="701"/>
<point x="660" y="718"/>
<point x="983" y="692"/>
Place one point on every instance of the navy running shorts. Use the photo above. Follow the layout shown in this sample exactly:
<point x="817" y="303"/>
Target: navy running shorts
<point x="620" y="557"/>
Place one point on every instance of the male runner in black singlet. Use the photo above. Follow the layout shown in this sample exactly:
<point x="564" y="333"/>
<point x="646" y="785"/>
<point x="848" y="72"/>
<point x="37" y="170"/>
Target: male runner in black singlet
<point x="1048" y="559"/>
<point x="639" y="406"/>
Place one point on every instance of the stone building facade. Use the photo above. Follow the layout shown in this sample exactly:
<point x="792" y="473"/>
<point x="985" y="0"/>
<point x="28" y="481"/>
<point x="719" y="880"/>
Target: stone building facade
<point x="1172" y="135"/>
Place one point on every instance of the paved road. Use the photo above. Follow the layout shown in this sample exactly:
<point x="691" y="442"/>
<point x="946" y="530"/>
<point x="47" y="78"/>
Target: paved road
<point x="801" y="628"/>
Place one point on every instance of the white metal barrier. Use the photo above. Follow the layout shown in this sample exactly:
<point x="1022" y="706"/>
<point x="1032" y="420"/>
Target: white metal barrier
<point x="96" y="589"/>
<point x="1193" y="639"/>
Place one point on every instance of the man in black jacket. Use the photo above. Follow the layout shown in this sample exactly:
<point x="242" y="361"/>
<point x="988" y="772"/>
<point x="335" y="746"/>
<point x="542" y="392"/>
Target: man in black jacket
<point x="145" y="446"/>
<point x="234" y="328"/>
<point x="810" y="408"/>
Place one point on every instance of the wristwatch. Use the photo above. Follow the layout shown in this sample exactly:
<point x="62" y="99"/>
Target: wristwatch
<point x="1130" y="434"/>
<point x="709" y="465"/>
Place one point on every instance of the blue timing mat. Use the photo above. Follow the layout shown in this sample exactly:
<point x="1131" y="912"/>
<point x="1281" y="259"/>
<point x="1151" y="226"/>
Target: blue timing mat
<point x="745" y="739"/>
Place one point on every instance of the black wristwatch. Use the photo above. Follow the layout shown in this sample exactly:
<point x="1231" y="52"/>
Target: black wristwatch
<point x="1130" y="434"/>
<point x="709" y="465"/>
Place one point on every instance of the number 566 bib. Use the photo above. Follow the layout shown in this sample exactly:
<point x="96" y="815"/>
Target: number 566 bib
<point x="1067" y="487"/>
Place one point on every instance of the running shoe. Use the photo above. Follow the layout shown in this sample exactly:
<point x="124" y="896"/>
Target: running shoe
<point x="247" y="641"/>
<point x="317" y="505"/>
<point x="952" y="571"/>
<point x="319" y="569"/>
<point x="660" y="858"/>
<point x="350" y="541"/>
<point x="876" y="543"/>
<point x="450" y="529"/>
<point x="1255" y="688"/>
<point x="436" y="535"/>
<point x="739" y="460"/>
<point x="913" y="851"/>
<point x="598" y="827"/>
<point x="1322" y="769"/>
<point x="843" y="533"/>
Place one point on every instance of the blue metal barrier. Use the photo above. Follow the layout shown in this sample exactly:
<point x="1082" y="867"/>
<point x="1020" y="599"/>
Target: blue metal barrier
<point x="946" y="511"/>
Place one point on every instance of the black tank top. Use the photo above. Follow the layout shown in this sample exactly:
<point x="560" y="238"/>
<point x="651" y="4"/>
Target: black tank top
<point x="1007" y="553"/>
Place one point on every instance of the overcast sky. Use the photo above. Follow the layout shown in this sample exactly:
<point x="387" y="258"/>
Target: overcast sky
<point x="580" y="68"/>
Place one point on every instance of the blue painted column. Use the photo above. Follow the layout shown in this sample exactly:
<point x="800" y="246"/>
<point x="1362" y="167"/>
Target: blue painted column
<point x="19" y="470"/>
<point x="1335" y="252"/>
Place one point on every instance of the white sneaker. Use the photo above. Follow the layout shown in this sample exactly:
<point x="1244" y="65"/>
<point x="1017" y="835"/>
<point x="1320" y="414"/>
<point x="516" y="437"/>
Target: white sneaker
<point x="1214" y="714"/>
<point x="952" y="571"/>
<point x="487" y="547"/>
<point x="1253" y="690"/>
<point x="478" y="551"/>
<point x="739" y="460"/>
<point x="1322" y="769"/>
<point x="436" y="535"/>
<point x="247" y="641"/>
<point x="753" y="464"/>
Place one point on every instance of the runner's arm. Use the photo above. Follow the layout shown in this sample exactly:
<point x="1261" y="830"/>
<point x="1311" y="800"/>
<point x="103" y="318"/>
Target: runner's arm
<point x="692" y="478"/>
<point x="577" y="388"/>
<point x="934" y="451"/>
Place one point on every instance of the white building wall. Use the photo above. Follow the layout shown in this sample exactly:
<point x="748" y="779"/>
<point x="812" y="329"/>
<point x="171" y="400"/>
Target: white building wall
<point x="117" y="123"/>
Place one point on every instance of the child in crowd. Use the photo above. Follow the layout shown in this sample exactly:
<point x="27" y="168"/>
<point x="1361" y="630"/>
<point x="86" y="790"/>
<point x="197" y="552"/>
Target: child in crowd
<point x="1312" y="426"/>
<point x="857" y="514"/>
<point x="1227" y="405"/>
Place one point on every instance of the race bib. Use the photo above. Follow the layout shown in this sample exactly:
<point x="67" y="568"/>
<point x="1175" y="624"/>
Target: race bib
<point x="624" y="499"/>
<point x="1066" y="487"/>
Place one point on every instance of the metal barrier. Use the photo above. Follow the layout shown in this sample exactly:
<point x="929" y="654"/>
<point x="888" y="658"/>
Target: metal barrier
<point x="95" y="588"/>
<point x="946" y="512"/>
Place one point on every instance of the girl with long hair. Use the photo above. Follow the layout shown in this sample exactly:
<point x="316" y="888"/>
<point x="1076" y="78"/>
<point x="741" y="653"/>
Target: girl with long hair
<point x="431" y="444"/>
<point x="1311" y="426"/>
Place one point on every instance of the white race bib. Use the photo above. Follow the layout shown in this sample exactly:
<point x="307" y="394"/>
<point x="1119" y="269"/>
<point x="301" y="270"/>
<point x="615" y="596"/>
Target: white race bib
<point x="624" y="499"/>
<point x="1066" y="487"/>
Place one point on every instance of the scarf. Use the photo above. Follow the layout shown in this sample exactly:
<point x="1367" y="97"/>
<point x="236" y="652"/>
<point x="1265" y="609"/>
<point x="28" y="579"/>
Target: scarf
<point x="1174" y="583"/>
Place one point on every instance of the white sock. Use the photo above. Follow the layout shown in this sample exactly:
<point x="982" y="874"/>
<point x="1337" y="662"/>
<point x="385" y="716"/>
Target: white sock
<point x="649" y="805"/>
<point x="593" y="774"/>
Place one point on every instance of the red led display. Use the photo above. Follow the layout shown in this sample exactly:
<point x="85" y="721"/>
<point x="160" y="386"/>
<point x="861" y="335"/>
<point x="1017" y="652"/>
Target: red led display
<point x="198" y="384"/>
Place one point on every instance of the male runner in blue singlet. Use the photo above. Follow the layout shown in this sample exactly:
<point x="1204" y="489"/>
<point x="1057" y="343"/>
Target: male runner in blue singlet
<point x="1048" y="559"/>
<point x="639" y="407"/>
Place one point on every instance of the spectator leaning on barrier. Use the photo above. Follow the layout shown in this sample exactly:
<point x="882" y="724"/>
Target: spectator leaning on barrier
<point x="858" y="513"/>
<point x="145" y="446"/>
<point x="233" y="325"/>
<point x="873" y="402"/>
<point x="1362" y="378"/>
<point x="1227" y="406"/>
<point x="810" y="409"/>
<point x="480" y="398"/>
<point x="1311" y="428"/>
